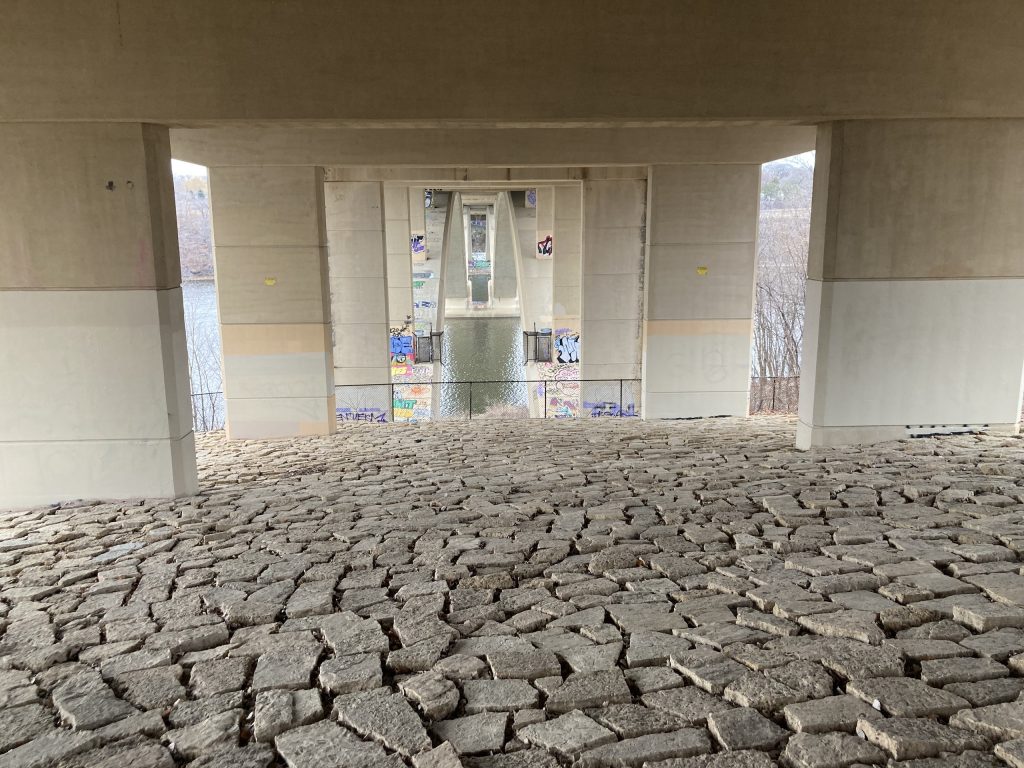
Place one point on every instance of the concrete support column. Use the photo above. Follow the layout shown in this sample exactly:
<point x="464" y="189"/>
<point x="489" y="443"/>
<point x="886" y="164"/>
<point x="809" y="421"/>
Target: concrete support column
<point x="566" y="274"/>
<point x="397" y="238"/>
<point x="456" y="274"/>
<point x="359" y="287"/>
<point x="272" y="293"/>
<point x="506" y="285"/>
<point x="94" y="385"/>
<point x="915" y="291"/>
<point x="700" y="289"/>
<point x="535" y="280"/>
<point x="613" y="256"/>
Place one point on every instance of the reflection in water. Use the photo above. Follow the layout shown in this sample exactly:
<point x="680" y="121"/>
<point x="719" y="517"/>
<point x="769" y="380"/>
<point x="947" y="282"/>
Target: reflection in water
<point x="480" y="349"/>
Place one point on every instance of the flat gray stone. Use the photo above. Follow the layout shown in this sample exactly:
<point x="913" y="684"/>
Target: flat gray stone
<point x="473" y="734"/>
<point x="635" y="752"/>
<point x="327" y="743"/>
<point x="568" y="735"/>
<point x="586" y="690"/>
<point x="908" y="738"/>
<point x="384" y="717"/>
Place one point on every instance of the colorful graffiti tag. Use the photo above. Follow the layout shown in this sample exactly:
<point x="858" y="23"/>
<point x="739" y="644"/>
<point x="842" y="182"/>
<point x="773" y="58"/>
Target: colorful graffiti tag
<point x="567" y="348"/>
<point x="418" y="244"/>
<point x="610" y="408"/>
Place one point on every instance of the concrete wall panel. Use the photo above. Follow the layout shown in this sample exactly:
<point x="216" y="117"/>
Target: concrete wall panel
<point x="270" y="285"/>
<point x="928" y="199"/>
<point x="710" y="280"/>
<point x="60" y="224"/>
<point x="904" y="352"/>
<point x="91" y="365"/>
<point x="37" y="473"/>
<point x="264" y="205"/>
<point x="263" y="418"/>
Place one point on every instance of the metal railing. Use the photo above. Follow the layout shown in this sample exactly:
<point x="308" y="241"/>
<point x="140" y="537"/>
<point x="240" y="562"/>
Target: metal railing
<point x="516" y="399"/>
<point x="509" y="399"/>
<point x="774" y="394"/>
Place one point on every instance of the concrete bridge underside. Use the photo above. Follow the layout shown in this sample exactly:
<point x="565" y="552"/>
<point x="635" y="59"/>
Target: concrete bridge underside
<point x="648" y="122"/>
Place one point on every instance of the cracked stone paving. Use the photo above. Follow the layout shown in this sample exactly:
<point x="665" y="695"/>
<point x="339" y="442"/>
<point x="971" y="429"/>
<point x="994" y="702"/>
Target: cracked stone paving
<point x="602" y="594"/>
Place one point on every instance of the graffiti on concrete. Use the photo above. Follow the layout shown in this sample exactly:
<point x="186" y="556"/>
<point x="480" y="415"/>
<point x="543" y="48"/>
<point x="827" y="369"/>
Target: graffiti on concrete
<point x="609" y="408"/>
<point x="531" y="198"/>
<point x="425" y="304"/>
<point x="567" y="348"/>
<point x="371" y="415"/>
<point x="418" y="244"/>
<point x="402" y="348"/>
<point x="545" y="247"/>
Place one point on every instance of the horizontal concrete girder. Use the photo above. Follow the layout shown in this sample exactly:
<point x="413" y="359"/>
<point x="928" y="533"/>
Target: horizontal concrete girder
<point x="518" y="151"/>
<point x="193" y="61"/>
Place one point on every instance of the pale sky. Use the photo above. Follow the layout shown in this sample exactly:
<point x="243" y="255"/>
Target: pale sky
<point x="180" y="167"/>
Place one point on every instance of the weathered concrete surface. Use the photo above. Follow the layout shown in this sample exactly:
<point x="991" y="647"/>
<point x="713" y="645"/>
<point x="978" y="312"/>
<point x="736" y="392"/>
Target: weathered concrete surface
<point x="615" y="592"/>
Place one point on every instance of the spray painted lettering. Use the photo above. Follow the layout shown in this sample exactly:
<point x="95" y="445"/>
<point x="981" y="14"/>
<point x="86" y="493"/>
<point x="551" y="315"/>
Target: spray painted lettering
<point x="610" y="408"/>
<point x="371" y="415"/>
<point x="568" y="348"/>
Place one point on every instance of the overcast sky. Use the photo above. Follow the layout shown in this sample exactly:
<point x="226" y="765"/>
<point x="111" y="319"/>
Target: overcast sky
<point x="180" y="167"/>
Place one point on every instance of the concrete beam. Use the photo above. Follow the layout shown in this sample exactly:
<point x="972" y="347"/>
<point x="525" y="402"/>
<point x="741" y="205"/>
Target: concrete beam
<point x="195" y="61"/>
<point x="470" y="149"/>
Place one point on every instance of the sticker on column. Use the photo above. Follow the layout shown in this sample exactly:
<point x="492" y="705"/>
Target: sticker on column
<point x="702" y="271"/>
<point x="418" y="244"/>
<point x="270" y="282"/>
<point x="545" y="245"/>
<point x="531" y="198"/>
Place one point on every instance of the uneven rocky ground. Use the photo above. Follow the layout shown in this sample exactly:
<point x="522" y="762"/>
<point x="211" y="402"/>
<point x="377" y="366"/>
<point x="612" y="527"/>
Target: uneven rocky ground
<point x="519" y="595"/>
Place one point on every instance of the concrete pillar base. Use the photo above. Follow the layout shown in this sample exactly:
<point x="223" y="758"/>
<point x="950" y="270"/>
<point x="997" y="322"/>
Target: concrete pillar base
<point x="95" y="387"/>
<point x="808" y="437"/>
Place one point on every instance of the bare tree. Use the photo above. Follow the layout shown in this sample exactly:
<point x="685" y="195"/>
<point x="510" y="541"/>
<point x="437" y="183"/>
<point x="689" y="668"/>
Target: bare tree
<point x="205" y="372"/>
<point x="781" y="283"/>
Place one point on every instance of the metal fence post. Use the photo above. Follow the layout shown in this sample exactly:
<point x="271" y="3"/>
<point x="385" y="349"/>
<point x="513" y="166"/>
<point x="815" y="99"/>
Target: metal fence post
<point x="620" y="399"/>
<point x="545" y="399"/>
<point x="471" y="401"/>
<point x="391" y="402"/>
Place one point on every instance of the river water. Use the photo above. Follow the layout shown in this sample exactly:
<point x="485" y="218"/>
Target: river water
<point x="477" y="349"/>
<point x="483" y="349"/>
